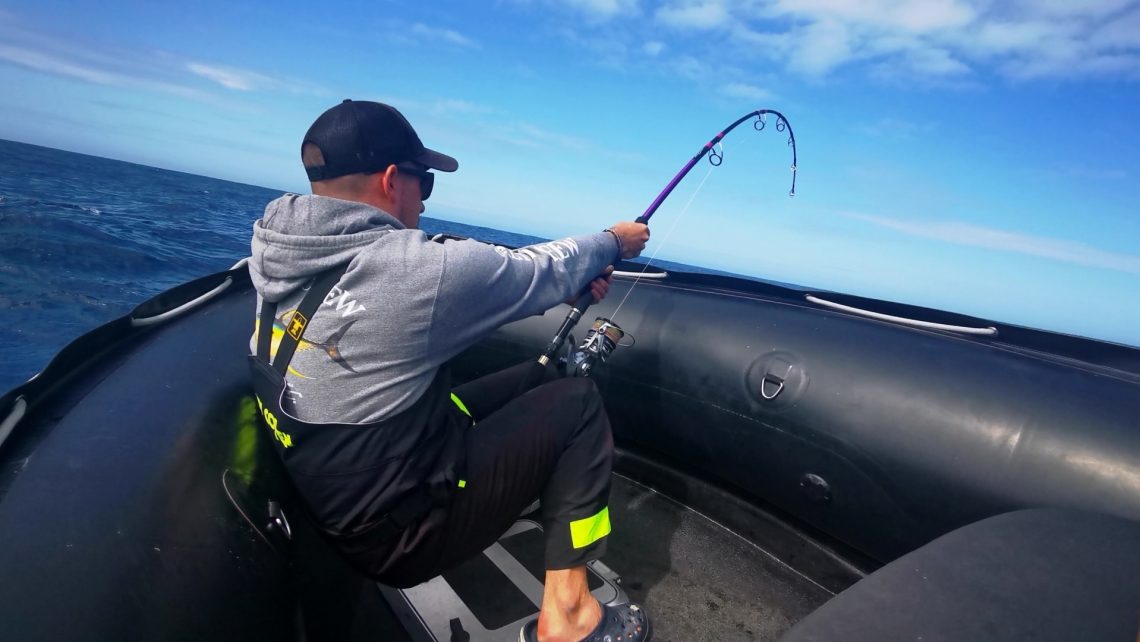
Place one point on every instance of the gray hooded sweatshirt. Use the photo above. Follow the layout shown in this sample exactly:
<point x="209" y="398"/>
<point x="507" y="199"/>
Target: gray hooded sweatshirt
<point x="406" y="304"/>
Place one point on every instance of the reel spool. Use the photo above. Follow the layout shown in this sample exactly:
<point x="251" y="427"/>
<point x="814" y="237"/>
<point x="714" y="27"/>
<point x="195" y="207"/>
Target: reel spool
<point x="601" y="340"/>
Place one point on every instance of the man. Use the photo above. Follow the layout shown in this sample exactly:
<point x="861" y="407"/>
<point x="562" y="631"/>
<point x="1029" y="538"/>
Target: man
<point x="359" y="313"/>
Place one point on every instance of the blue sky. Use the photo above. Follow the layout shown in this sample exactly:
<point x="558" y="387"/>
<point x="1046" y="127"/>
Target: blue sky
<point x="970" y="155"/>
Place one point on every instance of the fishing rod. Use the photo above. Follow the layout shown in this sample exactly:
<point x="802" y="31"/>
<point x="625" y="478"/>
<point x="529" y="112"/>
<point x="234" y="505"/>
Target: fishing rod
<point x="605" y="336"/>
<point x="716" y="158"/>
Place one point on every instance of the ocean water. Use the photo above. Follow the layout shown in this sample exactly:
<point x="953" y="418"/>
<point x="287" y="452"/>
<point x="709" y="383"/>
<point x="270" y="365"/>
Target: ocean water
<point x="83" y="240"/>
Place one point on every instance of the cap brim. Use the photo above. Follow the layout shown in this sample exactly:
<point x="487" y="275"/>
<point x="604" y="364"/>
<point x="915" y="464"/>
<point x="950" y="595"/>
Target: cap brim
<point x="436" y="160"/>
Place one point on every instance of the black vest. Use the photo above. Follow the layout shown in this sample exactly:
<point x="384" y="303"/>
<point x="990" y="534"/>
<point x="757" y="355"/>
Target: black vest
<point x="364" y="483"/>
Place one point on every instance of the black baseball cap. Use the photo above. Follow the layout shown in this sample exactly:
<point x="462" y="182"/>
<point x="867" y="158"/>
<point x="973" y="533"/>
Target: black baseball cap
<point x="360" y="136"/>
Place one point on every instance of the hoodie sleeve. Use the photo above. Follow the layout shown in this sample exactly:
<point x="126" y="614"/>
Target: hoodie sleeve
<point x="484" y="286"/>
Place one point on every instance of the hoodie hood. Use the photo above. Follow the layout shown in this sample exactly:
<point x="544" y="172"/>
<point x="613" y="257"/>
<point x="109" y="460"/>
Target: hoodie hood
<point x="302" y="236"/>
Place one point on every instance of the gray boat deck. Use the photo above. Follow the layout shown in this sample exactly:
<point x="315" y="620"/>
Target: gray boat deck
<point x="697" y="579"/>
<point x="743" y="575"/>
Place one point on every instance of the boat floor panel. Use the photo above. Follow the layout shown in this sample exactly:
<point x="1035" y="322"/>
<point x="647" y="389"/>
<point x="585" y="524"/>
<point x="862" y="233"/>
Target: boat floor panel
<point x="698" y="580"/>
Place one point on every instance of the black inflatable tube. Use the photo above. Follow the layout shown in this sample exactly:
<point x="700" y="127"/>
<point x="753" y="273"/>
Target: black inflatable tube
<point x="134" y="502"/>
<point x="882" y="436"/>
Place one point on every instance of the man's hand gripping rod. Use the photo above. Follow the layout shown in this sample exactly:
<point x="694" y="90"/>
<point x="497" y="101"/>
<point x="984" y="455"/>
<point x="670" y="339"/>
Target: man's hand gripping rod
<point x="585" y="300"/>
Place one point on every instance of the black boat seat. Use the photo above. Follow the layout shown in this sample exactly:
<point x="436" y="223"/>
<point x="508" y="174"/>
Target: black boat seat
<point x="1039" y="575"/>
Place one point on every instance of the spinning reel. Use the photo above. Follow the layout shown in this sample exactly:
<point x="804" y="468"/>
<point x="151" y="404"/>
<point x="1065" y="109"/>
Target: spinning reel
<point x="601" y="340"/>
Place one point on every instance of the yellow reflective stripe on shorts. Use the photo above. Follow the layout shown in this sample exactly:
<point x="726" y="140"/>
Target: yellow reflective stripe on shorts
<point x="460" y="404"/>
<point x="588" y="530"/>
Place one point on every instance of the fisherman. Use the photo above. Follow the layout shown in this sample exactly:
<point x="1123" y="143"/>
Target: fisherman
<point x="359" y="313"/>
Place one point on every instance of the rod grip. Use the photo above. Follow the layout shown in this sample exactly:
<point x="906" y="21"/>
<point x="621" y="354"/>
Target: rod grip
<point x="584" y="301"/>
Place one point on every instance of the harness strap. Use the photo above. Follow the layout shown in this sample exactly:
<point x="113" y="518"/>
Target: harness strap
<point x="265" y="330"/>
<point x="297" y="322"/>
<point x="413" y="504"/>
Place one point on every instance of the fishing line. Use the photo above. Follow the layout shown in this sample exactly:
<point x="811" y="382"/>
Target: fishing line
<point x="605" y="335"/>
<point x="715" y="159"/>
<point x="668" y="233"/>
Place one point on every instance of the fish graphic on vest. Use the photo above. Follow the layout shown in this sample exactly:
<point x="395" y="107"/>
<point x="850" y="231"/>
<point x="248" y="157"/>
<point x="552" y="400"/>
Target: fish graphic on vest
<point x="330" y="346"/>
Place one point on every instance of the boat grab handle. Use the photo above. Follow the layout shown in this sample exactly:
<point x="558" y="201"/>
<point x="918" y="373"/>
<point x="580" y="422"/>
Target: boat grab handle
<point x="989" y="332"/>
<point x="189" y="305"/>
<point x="641" y="275"/>
<point x="19" y="407"/>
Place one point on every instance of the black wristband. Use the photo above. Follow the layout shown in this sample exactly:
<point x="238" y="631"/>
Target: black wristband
<point x="621" y="248"/>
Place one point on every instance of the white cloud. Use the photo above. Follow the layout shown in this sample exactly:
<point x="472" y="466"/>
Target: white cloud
<point x="1123" y="32"/>
<point x="702" y="14"/>
<point x="1073" y="8"/>
<point x="945" y="39"/>
<point x="247" y="80"/>
<point x="745" y="91"/>
<point x="533" y="136"/>
<point x="55" y="65"/>
<point x="994" y="239"/>
<point x="935" y="62"/>
<point x="690" y="68"/>
<point x="725" y="79"/>
<point x="822" y="46"/>
<point x="604" y="9"/>
<point x="103" y="63"/>
<point x="231" y="78"/>
<point x="1008" y="37"/>
<point x="772" y="43"/>
<point x="1077" y="67"/>
<point x="911" y="16"/>
<point x="603" y="48"/>
<point x="935" y="42"/>
<point x="63" y="65"/>
<point x="448" y="36"/>
<point x="927" y="16"/>
<point x="897" y="35"/>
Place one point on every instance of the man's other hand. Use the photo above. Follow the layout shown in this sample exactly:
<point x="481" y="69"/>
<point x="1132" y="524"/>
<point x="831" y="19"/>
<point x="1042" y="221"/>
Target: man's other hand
<point x="600" y="286"/>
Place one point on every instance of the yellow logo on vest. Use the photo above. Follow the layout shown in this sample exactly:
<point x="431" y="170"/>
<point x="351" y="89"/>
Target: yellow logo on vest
<point x="297" y="324"/>
<point x="271" y="421"/>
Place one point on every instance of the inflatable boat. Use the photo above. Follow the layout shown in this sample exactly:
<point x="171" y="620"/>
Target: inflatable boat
<point x="792" y="465"/>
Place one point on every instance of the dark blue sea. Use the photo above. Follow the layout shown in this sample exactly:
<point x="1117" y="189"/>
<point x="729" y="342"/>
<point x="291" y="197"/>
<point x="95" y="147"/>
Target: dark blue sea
<point x="84" y="239"/>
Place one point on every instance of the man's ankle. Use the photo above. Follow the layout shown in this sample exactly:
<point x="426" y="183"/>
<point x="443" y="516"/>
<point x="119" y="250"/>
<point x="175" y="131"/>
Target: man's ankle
<point x="569" y="598"/>
<point x="571" y="622"/>
<point x="569" y="610"/>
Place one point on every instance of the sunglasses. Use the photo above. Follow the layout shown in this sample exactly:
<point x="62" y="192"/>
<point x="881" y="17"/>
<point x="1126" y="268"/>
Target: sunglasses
<point x="427" y="179"/>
